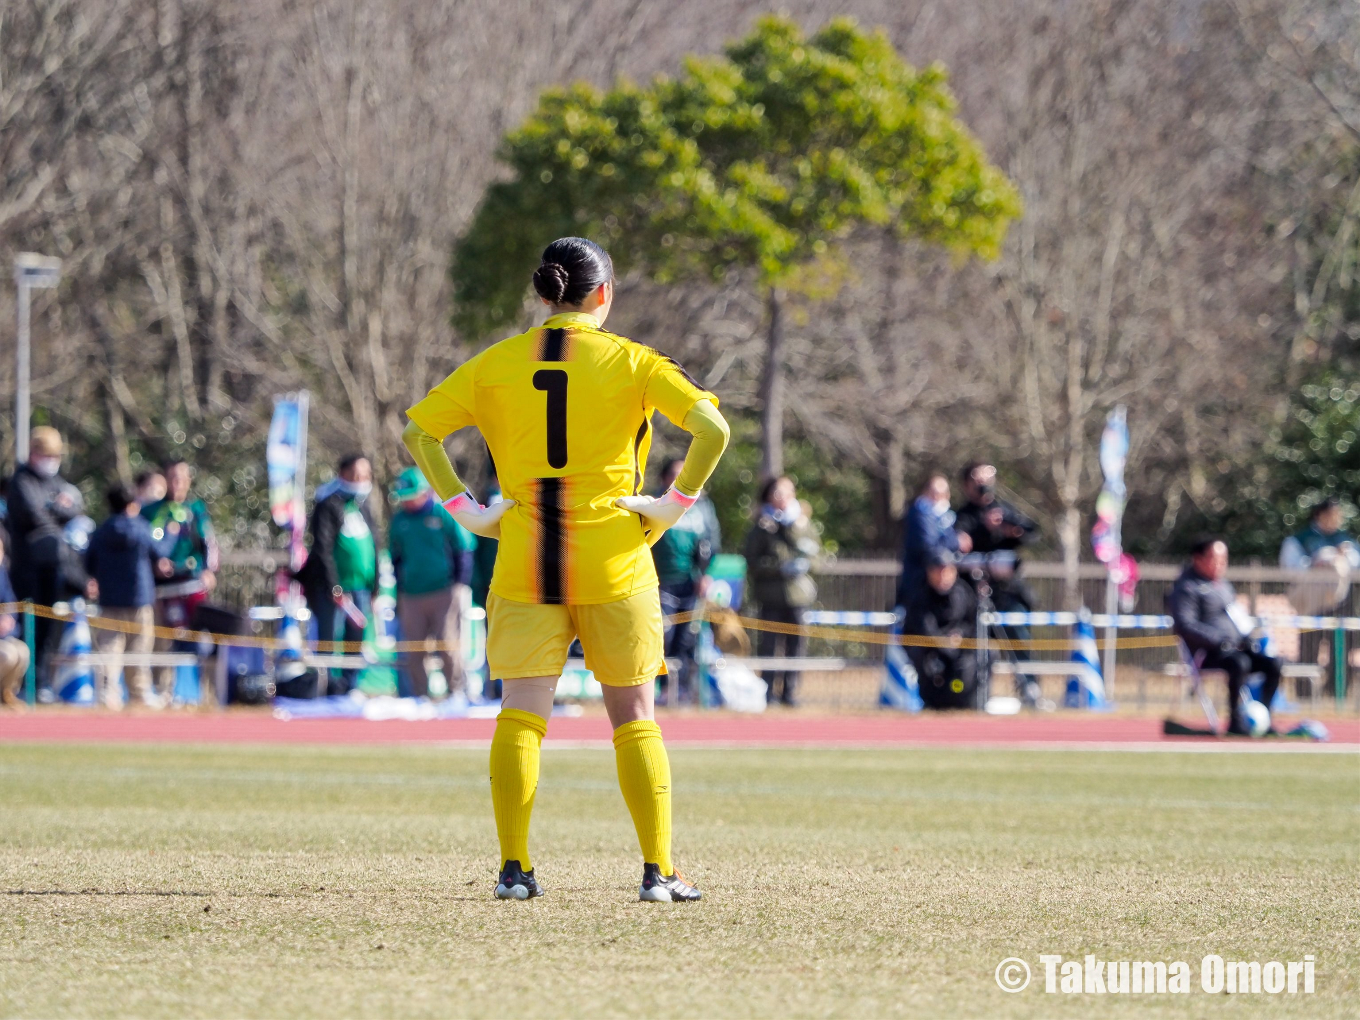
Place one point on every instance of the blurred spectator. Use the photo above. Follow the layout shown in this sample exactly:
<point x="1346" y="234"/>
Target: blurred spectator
<point x="1323" y="539"/>
<point x="340" y="575"/>
<point x="1202" y="604"/>
<point x="945" y="609"/>
<point x="997" y="531"/>
<point x="929" y="525"/>
<point x="188" y="571"/>
<point x="41" y="504"/>
<point x="681" y="556"/>
<point x="193" y="557"/>
<point x="150" y="485"/>
<point x="119" y="560"/>
<point x="779" y="550"/>
<point x="995" y="526"/>
<point x="13" y="649"/>
<point x="1330" y="556"/>
<point x="432" y="557"/>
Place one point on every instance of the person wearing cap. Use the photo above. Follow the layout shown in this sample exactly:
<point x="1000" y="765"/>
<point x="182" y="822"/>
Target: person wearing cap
<point x="432" y="558"/>
<point x="41" y="504"/>
<point x="944" y="614"/>
<point x="681" y="556"/>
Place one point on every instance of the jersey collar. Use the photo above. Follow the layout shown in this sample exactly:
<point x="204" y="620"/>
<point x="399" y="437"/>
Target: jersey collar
<point x="563" y="319"/>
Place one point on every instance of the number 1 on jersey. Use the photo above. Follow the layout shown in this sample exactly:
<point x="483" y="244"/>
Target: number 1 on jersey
<point x="553" y="382"/>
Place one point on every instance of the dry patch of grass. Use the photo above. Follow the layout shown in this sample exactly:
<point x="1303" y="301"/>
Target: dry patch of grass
<point x="246" y="881"/>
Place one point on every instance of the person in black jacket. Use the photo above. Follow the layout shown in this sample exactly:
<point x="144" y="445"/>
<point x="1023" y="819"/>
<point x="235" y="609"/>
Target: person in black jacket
<point x="996" y="526"/>
<point x="945" y="609"/>
<point x="41" y="504"/>
<point x="340" y="575"/>
<point x="119" y="561"/>
<point x="1198" y="603"/>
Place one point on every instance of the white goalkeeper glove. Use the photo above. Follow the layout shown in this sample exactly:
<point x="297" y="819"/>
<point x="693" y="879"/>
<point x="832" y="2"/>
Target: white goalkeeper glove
<point x="661" y="513"/>
<point x="483" y="521"/>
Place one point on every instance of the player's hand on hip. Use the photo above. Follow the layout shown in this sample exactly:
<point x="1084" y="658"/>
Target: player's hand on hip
<point x="483" y="521"/>
<point x="660" y="513"/>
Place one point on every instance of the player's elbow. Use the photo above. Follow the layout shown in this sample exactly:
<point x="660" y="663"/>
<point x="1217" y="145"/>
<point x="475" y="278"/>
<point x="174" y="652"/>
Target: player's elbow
<point x="711" y="424"/>
<point x="724" y="429"/>
<point x="411" y="436"/>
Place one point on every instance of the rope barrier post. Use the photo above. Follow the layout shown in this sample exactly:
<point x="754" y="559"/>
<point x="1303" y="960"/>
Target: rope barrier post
<point x="30" y="674"/>
<point x="1111" y="633"/>
<point x="1339" y="664"/>
<point x="984" y="659"/>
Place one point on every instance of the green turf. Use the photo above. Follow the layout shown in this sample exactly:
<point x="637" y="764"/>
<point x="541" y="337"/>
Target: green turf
<point x="234" y="881"/>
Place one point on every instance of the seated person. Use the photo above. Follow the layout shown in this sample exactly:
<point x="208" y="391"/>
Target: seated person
<point x="1198" y="603"/>
<point x="945" y="608"/>
<point x="1324" y="538"/>
<point x="13" y="648"/>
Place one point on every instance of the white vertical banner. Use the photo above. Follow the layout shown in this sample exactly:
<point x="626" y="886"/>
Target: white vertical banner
<point x="1107" y="534"/>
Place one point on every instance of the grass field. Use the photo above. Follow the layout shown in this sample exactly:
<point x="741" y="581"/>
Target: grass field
<point x="333" y="881"/>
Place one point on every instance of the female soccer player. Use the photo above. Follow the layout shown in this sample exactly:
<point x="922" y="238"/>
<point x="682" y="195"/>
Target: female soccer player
<point x="566" y="411"/>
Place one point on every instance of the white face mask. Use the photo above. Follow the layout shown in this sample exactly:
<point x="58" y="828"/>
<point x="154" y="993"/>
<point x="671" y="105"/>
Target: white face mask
<point x="359" y="490"/>
<point x="45" y="467"/>
<point x="940" y="506"/>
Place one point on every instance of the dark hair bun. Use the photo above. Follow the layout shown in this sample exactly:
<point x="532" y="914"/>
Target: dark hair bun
<point x="551" y="280"/>
<point x="571" y="268"/>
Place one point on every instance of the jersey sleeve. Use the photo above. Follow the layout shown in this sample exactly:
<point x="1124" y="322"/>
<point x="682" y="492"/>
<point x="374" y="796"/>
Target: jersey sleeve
<point x="450" y="406"/>
<point x="669" y="388"/>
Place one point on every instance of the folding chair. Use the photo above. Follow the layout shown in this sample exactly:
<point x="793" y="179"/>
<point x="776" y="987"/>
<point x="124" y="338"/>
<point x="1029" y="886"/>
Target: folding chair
<point x="1192" y="664"/>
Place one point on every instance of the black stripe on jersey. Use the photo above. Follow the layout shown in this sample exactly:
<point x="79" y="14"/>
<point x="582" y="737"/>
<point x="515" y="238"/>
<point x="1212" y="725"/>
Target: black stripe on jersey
<point x="552" y="538"/>
<point x="678" y="367"/>
<point x="553" y="345"/>
<point x="637" y="447"/>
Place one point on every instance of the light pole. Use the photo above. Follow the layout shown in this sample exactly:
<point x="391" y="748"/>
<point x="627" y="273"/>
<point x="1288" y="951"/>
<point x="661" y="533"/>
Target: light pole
<point x="30" y="271"/>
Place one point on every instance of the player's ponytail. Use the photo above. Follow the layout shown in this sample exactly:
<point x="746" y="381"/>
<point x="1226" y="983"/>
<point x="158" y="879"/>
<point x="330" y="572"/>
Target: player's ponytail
<point x="571" y="268"/>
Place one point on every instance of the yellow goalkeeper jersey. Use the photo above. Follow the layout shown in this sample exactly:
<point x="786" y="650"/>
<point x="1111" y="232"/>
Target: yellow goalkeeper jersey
<point x="566" y="412"/>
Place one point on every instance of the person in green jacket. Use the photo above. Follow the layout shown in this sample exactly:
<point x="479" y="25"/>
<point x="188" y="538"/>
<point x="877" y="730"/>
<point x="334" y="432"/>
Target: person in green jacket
<point x="188" y="573"/>
<point x="681" y="556"/>
<point x="432" y="557"/>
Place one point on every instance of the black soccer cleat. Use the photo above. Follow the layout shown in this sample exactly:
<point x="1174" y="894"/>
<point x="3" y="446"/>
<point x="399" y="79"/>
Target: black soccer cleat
<point x="517" y="884"/>
<point x="659" y="888"/>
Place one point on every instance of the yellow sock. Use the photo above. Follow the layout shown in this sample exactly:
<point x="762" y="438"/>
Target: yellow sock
<point x="645" y="779"/>
<point x="515" y="751"/>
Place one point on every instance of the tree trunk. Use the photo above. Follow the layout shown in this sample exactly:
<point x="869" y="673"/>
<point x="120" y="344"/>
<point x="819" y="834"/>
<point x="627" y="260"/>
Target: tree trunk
<point x="896" y="468"/>
<point x="118" y="433"/>
<point x="1069" y="538"/>
<point x="772" y="393"/>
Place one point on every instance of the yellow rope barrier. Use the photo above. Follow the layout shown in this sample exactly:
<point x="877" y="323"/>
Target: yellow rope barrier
<point x="750" y="623"/>
<point x="872" y="637"/>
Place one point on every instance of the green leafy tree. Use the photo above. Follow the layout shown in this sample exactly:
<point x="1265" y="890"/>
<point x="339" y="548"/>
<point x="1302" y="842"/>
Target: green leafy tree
<point x="1314" y="453"/>
<point x="761" y="160"/>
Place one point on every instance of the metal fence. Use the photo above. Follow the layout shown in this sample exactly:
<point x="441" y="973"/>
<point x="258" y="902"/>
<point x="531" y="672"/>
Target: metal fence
<point x="246" y="578"/>
<point x="1144" y="675"/>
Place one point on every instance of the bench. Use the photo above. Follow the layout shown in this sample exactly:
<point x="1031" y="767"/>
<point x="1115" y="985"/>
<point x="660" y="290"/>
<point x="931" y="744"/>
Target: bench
<point x="103" y="660"/>
<point x="1309" y="671"/>
<point x="1037" y="667"/>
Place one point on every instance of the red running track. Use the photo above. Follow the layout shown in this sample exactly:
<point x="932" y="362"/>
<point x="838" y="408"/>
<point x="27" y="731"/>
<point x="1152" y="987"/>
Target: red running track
<point x="700" y="729"/>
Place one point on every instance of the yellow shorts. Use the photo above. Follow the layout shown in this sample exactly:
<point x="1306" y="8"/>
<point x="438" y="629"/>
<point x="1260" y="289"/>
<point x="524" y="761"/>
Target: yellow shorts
<point x="622" y="640"/>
